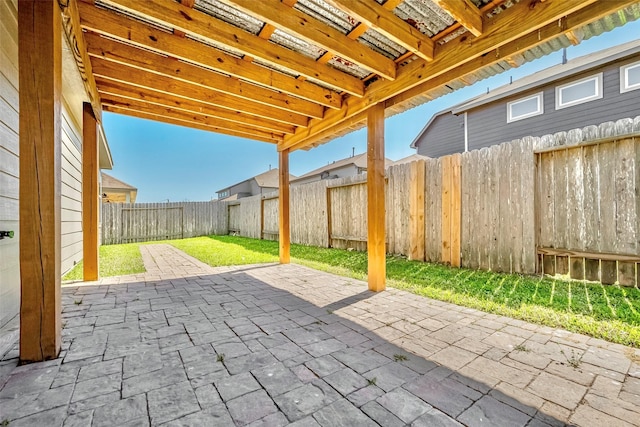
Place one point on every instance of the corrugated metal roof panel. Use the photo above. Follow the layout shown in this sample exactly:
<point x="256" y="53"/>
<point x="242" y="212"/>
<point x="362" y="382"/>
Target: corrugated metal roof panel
<point x="425" y="15"/>
<point x="230" y="15"/>
<point x="348" y="67"/>
<point x="381" y="44"/>
<point x="324" y="12"/>
<point x="296" y="44"/>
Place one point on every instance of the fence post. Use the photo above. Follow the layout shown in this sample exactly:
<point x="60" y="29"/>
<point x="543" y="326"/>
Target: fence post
<point x="451" y="209"/>
<point x="416" y="210"/>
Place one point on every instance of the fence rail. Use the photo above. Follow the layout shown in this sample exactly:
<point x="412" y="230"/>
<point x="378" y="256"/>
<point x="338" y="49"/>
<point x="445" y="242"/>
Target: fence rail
<point x="552" y="203"/>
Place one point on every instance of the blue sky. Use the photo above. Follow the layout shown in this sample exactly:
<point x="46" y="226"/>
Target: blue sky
<point x="181" y="164"/>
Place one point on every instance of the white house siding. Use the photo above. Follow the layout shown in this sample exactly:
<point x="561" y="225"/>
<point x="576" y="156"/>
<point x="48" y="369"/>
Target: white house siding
<point x="71" y="192"/>
<point x="71" y="186"/>
<point x="9" y="165"/>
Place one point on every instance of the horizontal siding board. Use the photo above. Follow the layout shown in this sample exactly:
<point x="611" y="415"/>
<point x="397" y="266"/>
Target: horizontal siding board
<point x="488" y="123"/>
<point x="9" y="186"/>
<point x="444" y="136"/>
<point x="9" y="139"/>
<point x="9" y="115"/>
<point x="10" y="163"/>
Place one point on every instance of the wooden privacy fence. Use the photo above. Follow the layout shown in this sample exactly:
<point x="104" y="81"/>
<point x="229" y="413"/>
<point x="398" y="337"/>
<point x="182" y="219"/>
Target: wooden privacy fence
<point x="567" y="203"/>
<point x="139" y="222"/>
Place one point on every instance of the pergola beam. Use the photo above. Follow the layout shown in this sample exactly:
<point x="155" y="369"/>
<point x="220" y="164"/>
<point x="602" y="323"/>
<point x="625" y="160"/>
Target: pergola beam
<point x="465" y="12"/>
<point x="205" y="120"/>
<point x="73" y="32"/>
<point x="130" y="56"/>
<point x="299" y="24"/>
<point x="178" y="122"/>
<point x="193" y="107"/>
<point x="517" y="28"/>
<point x="175" y="15"/>
<point x="385" y="22"/>
<point x="146" y="80"/>
<point x="143" y="35"/>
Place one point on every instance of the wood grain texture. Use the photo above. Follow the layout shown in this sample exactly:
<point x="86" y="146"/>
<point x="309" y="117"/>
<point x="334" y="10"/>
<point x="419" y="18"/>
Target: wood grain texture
<point x="314" y="32"/>
<point x="384" y="21"/>
<point x="90" y="193"/>
<point x="191" y="21"/>
<point x="40" y="62"/>
<point x="130" y="56"/>
<point x="465" y="12"/>
<point x="284" y="237"/>
<point x="376" y="248"/>
<point x="505" y="34"/>
<point x="145" y="80"/>
<point x="142" y="35"/>
<point x="75" y="37"/>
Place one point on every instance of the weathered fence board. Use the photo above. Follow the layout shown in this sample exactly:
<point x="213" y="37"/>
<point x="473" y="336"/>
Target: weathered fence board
<point x="348" y="200"/>
<point x="126" y="222"/>
<point x="270" y="211"/>
<point x="562" y="200"/>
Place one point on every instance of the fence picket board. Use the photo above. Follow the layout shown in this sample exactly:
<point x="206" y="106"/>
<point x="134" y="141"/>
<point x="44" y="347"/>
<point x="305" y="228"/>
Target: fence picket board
<point x="527" y="207"/>
<point x="591" y="200"/>
<point x="561" y="223"/>
<point x="504" y="232"/>
<point x="625" y="195"/>
<point x="606" y="160"/>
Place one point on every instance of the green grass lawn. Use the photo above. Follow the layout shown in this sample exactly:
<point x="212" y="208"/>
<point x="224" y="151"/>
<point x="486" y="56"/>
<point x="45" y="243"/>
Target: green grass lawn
<point x="608" y="312"/>
<point x="115" y="260"/>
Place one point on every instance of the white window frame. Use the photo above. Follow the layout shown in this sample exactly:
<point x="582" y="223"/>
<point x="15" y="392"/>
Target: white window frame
<point x="598" y="94"/>
<point x="624" y="78"/>
<point x="540" y="98"/>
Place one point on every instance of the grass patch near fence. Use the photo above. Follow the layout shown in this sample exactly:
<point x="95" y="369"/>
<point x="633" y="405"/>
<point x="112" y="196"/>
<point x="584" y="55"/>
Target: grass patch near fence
<point x="115" y="260"/>
<point x="608" y="312"/>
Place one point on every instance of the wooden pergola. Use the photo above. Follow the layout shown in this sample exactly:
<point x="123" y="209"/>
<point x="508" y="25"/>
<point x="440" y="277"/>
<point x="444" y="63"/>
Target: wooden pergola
<point x="294" y="73"/>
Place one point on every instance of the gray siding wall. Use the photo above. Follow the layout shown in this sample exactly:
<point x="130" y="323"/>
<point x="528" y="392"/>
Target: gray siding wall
<point x="445" y="136"/>
<point x="488" y="124"/>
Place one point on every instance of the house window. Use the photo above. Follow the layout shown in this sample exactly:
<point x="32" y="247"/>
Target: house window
<point x="524" y="108"/>
<point x="630" y="77"/>
<point x="575" y="93"/>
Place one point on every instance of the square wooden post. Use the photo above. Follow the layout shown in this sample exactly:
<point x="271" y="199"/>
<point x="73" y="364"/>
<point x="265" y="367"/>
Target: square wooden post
<point x="284" y="236"/>
<point x="376" y="238"/>
<point x="90" y="193"/>
<point x="40" y="65"/>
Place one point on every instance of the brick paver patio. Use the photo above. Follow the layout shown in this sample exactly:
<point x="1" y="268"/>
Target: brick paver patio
<point x="268" y="345"/>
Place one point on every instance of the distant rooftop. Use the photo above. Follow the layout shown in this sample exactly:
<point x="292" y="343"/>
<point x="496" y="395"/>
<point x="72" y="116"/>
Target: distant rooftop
<point x="109" y="182"/>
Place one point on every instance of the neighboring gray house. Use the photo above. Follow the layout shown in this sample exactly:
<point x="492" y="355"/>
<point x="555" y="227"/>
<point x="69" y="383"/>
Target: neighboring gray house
<point x="263" y="183"/>
<point x="588" y="90"/>
<point x="350" y="166"/>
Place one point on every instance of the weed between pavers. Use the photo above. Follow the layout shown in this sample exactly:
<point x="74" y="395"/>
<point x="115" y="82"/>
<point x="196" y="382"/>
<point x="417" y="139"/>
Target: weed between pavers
<point x="521" y="347"/>
<point x="572" y="361"/>
<point x="400" y="357"/>
<point x="372" y="381"/>
<point x="220" y="358"/>
<point x="77" y="301"/>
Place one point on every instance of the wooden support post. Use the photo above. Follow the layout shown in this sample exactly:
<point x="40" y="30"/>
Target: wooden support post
<point x="376" y="239"/>
<point x="90" y="193"/>
<point x="451" y="209"/>
<point x="40" y="65"/>
<point x="416" y="210"/>
<point x="283" y="208"/>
